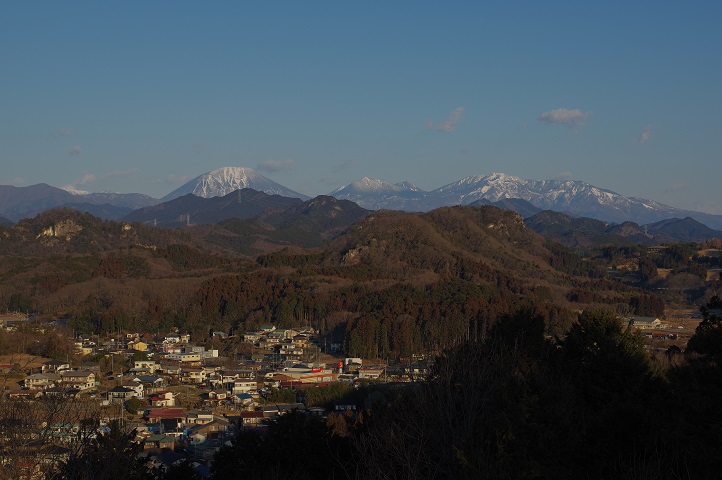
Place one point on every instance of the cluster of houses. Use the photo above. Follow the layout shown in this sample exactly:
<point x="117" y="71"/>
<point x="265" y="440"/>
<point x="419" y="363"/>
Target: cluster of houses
<point x="190" y="398"/>
<point x="58" y="377"/>
<point x="172" y="361"/>
<point x="287" y="343"/>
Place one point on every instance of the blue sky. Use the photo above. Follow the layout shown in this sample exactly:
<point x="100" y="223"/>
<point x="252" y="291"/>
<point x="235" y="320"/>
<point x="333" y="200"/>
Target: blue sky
<point x="142" y="96"/>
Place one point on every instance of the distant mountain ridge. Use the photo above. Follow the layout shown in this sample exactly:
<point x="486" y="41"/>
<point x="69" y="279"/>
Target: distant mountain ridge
<point x="588" y="232"/>
<point x="23" y="202"/>
<point x="571" y="196"/>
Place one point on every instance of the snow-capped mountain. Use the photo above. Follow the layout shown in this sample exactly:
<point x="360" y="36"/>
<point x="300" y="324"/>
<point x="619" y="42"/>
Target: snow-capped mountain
<point x="569" y="196"/>
<point x="223" y="181"/>
<point x="375" y="194"/>
<point x="572" y="196"/>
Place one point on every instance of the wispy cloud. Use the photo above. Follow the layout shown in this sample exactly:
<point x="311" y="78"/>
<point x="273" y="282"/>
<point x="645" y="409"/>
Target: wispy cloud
<point x="571" y="118"/>
<point x="276" y="165"/>
<point x="120" y="173"/>
<point x="61" y="132"/>
<point x="75" y="150"/>
<point x="646" y="135"/>
<point x="451" y="122"/>
<point x="676" y="187"/>
<point x="173" y="179"/>
<point x="329" y="180"/>
<point x="89" y="178"/>
<point x="343" y="166"/>
<point x="86" y="179"/>
<point x="708" y="206"/>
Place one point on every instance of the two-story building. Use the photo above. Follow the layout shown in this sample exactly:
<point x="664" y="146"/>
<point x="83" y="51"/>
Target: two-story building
<point x="78" y="379"/>
<point x="199" y="417"/>
<point x="645" y="323"/>
<point x="162" y="399"/>
<point x="244" y="386"/>
<point x="42" y="381"/>
<point x="120" y="394"/>
<point x="55" y="366"/>
<point x="150" y="365"/>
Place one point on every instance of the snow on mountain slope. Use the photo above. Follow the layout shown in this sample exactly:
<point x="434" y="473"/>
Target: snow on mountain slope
<point x="375" y="194"/>
<point x="573" y="196"/>
<point x="225" y="180"/>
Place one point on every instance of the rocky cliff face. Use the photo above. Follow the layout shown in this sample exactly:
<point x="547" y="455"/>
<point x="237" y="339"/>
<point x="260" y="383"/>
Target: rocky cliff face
<point x="66" y="229"/>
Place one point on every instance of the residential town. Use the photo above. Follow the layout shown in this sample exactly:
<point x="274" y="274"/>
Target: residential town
<point x="183" y="400"/>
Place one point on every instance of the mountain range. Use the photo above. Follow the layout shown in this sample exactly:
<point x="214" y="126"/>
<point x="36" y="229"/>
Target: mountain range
<point x="582" y="232"/>
<point x="572" y="197"/>
<point x="569" y="196"/>
<point x="23" y="202"/>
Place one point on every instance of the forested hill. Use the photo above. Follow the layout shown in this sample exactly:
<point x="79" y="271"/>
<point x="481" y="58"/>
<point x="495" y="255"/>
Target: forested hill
<point x="445" y="241"/>
<point x="69" y="231"/>
<point x="394" y="283"/>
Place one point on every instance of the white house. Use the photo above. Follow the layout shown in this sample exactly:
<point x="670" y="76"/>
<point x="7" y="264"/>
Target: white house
<point x="244" y="386"/>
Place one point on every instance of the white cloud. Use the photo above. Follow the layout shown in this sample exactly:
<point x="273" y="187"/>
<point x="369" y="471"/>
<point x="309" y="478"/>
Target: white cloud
<point x="563" y="116"/>
<point x="646" y="135"/>
<point x="451" y="122"/>
<point x="75" y="150"/>
<point x="276" y="165"/>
